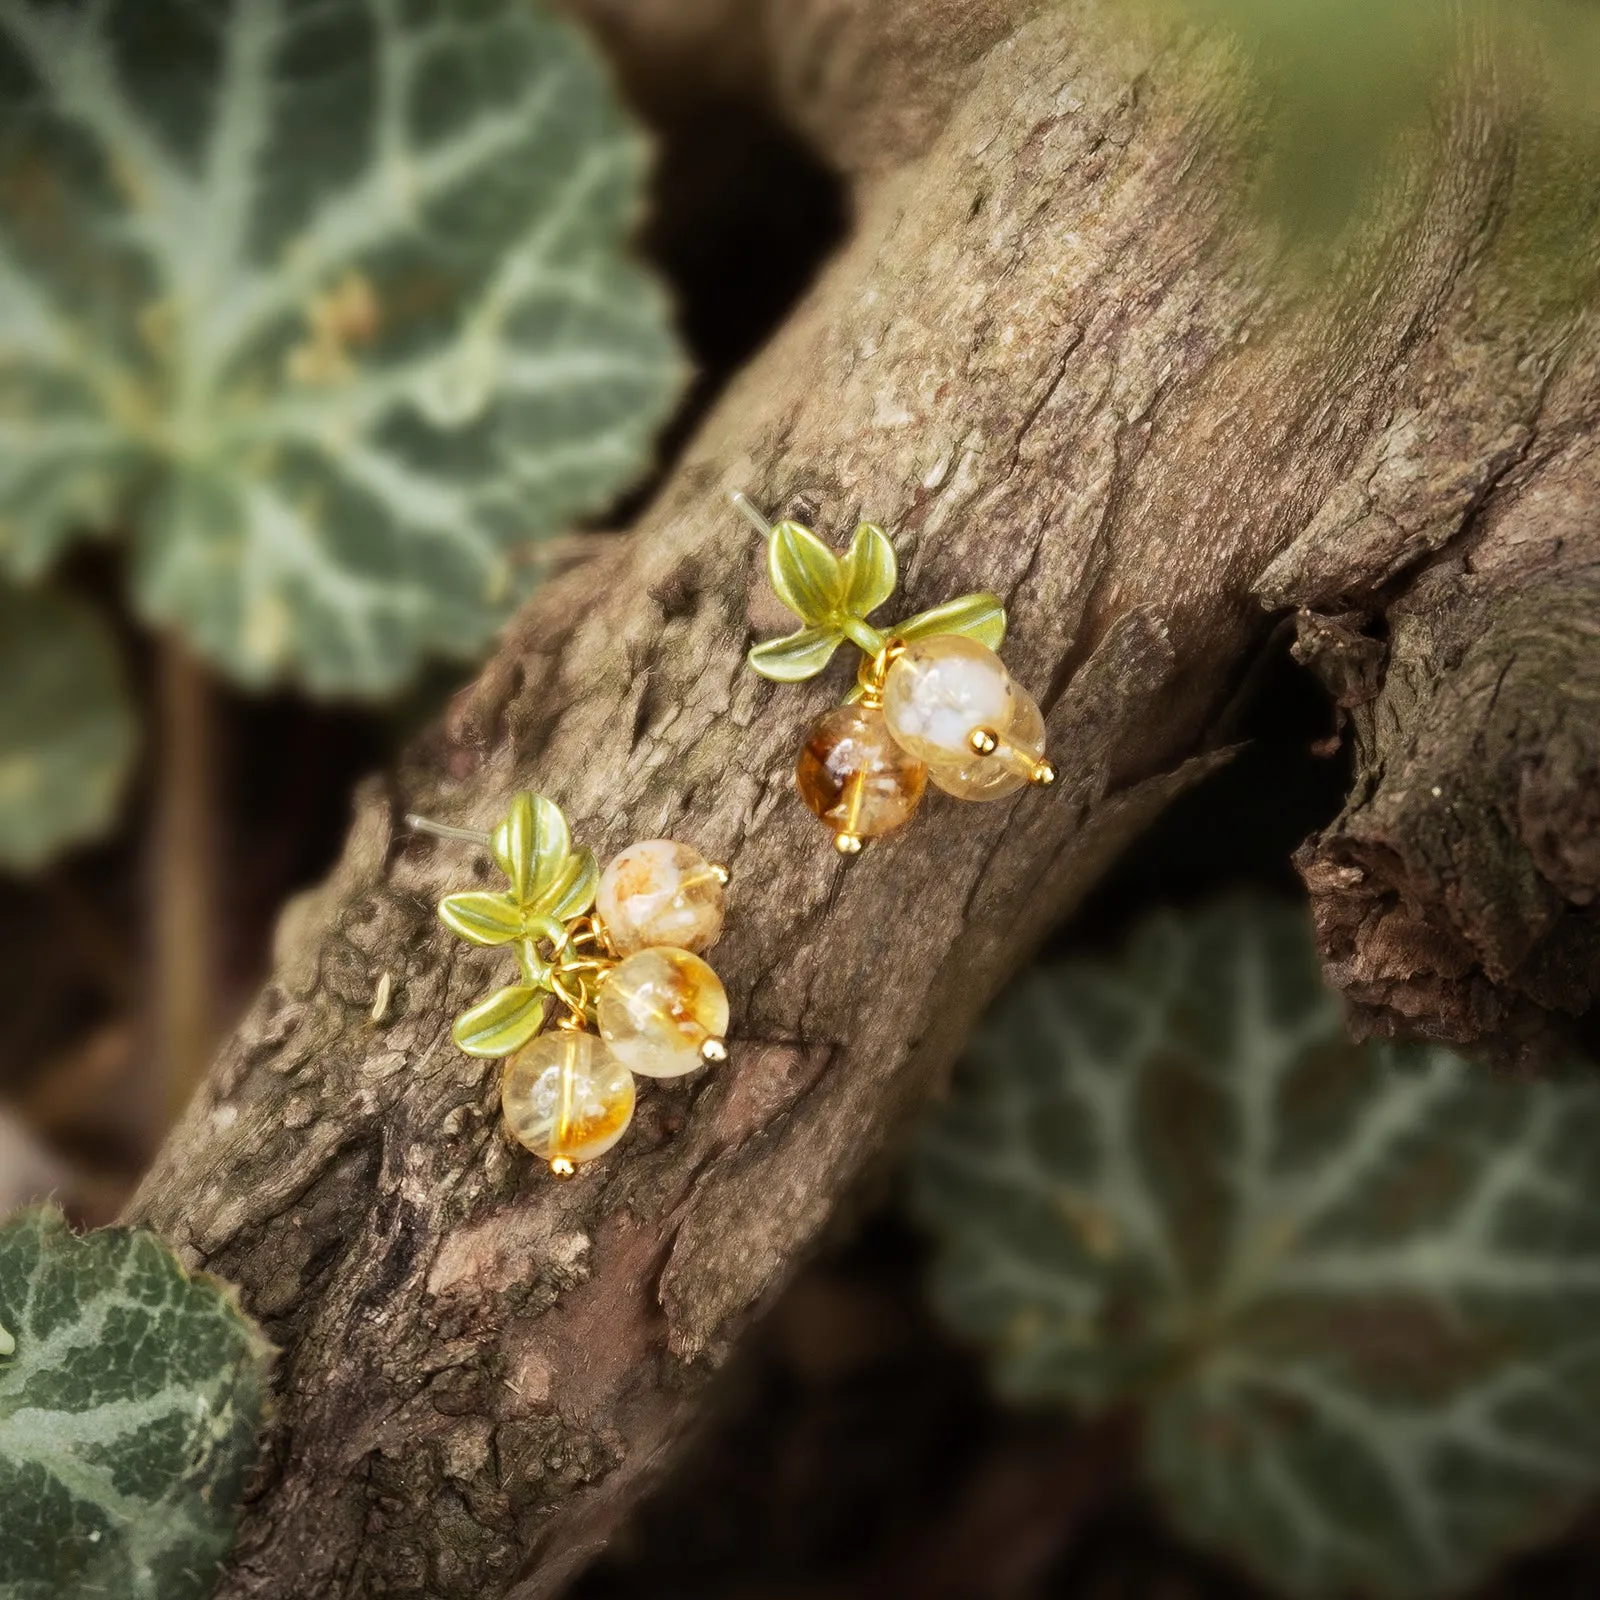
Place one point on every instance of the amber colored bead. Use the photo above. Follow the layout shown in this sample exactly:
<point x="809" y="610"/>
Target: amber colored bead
<point x="1008" y="767"/>
<point x="855" y="777"/>
<point x="659" y="1008"/>
<point x="566" y="1096"/>
<point x="940" y="691"/>
<point x="660" y="892"/>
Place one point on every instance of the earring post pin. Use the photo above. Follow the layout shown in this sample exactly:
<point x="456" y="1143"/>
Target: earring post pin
<point x="443" y="830"/>
<point x="741" y="503"/>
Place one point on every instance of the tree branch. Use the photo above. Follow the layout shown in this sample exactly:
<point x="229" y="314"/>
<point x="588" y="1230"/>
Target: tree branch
<point x="1056" y="359"/>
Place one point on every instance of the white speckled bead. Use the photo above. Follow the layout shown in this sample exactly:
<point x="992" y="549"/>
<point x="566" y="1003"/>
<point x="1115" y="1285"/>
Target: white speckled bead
<point x="1008" y="767"/>
<point x="938" y="692"/>
<point x="660" y="892"/>
<point x="658" y="1008"/>
<point x="566" y="1096"/>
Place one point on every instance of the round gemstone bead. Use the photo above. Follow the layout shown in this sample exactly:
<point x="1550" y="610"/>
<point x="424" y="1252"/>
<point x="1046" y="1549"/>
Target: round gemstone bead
<point x="658" y="1008"/>
<point x="1005" y="769"/>
<point x="938" y="692"/>
<point x="855" y="776"/>
<point x="566" y="1096"/>
<point x="660" y="892"/>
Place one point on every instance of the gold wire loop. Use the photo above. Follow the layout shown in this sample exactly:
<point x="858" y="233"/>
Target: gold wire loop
<point x="874" y="669"/>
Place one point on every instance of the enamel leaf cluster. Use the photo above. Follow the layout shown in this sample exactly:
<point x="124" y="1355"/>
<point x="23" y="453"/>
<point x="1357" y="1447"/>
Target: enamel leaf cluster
<point x="615" y="954"/>
<point x="932" y="701"/>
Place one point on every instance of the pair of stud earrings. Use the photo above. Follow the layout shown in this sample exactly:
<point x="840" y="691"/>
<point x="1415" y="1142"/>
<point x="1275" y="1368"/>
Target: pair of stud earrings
<point x="613" y="958"/>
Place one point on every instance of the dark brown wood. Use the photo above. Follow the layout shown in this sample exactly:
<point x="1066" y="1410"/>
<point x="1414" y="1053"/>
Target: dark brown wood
<point x="1056" y="358"/>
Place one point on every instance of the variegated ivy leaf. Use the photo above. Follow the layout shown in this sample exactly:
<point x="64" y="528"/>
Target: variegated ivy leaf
<point x="1355" y="1290"/>
<point x="130" y="1402"/>
<point x="67" y="731"/>
<point x="321" y="301"/>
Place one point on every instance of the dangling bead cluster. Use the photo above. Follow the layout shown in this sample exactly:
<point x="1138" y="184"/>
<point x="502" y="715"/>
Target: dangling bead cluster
<point x="932" y="703"/>
<point x="618" y="954"/>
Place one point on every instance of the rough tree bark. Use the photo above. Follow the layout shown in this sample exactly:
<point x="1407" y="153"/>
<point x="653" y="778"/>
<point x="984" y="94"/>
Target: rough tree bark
<point x="1056" y="359"/>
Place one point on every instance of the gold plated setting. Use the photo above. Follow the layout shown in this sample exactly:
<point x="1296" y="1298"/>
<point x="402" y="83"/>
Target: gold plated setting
<point x="625" y="997"/>
<point x="932" y="703"/>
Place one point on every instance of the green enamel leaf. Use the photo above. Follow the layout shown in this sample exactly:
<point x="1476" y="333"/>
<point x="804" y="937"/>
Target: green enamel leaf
<point x="533" y="847"/>
<point x="1353" y="1289"/>
<point x="978" y="616"/>
<point x="572" y="891"/>
<point x="796" y="655"/>
<point x="532" y="828"/>
<point x="870" y="570"/>
<point x="806" y="575"/>
<point x="129" y="1414"/>
<point x="483" y="918"/>
<point x="504" y="1022"/>
<point x="67" y="729"/>
<point x="328" y="305"/>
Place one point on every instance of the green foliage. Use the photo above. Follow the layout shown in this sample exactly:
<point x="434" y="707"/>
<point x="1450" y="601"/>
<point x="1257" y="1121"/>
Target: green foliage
<point x="833" y="596"/>
<point x="1347" y="78"/>
<point x="322" y="304"/>
<point x="551" y="883"/>
<point x="67" y="733"/>
<point x="1354" y="1290"/>
<point x="130" y="1402"/>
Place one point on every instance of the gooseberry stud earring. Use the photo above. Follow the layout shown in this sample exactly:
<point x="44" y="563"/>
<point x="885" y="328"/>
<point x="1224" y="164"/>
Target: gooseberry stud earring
<point x="932" y="702"/>
<point x="616" y="952"/>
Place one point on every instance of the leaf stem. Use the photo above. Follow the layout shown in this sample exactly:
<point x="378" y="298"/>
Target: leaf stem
<point x="862" y="634"/>
<point x="185" y="875"/>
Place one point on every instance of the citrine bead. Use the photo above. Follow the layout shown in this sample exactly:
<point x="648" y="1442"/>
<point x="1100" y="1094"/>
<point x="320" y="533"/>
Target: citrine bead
<point x="940" y="691"/>
<point x="855" y="776"/>
<point x="659" y="1008"/>
<point x="566" y="1096"/>
<point x="660" y="892"/>
<point x="1012" y="763"/>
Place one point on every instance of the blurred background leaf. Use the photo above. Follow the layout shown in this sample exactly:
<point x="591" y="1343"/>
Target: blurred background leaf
<point x="130" y="1400"/>
<point x="1354" y="1290"/>
<point x="1345" y="80"/>
<point x="67" y="732"/>
<point x="324" y="307"/>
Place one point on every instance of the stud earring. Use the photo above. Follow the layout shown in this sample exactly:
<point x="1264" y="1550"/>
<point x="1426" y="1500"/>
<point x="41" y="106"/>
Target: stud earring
<point x="616" y="952"/>
<point x="932" y="703"/>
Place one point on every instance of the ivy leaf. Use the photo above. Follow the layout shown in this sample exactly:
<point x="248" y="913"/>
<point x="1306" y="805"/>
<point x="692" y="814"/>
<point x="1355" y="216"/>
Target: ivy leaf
<point x="504" y="1022"/>
<point x="870" y="571"/>
<point x="806" y="575"/>
<point x="129" y="1411"/>
<point x="327" y="304"/>
<point x="67" y="730"/>
<point x="1353" y="1288"/>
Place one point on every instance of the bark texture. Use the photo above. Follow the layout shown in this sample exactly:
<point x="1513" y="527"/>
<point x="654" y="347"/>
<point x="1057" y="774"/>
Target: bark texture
<point x="1054" y="359"/>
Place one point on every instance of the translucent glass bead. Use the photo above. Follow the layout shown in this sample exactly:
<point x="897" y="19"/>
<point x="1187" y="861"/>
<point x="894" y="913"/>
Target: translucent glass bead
<point x="938" y="692"/>
<point x="658" y="1008"/>
<point x="855" y="776"/>
<point x="660" y="892"/>
<point x="566" y="1096"/>
<point x="1011" y="764"/>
